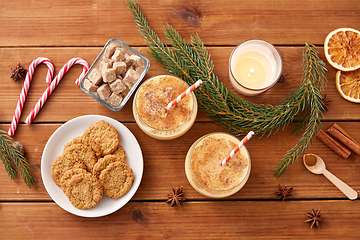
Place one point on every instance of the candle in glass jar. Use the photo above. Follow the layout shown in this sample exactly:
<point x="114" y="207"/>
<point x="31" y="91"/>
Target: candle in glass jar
<point x="255" y="66"/>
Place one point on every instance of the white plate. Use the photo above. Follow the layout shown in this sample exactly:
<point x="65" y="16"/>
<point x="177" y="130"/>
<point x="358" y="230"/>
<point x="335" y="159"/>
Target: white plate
<point x="66" y="133"/>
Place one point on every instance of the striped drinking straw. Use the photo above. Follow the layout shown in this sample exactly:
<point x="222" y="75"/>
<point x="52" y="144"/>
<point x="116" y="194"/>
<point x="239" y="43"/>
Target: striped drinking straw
<point x="184" y="94"/>
<point x="236" y="149"/>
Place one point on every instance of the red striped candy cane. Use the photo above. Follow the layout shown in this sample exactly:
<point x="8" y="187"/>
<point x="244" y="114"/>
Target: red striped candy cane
<point x="54" y="83"/>
<point x="184" y="94"/>
<point x="26" y="87"/>
<point x="237" y="148"/>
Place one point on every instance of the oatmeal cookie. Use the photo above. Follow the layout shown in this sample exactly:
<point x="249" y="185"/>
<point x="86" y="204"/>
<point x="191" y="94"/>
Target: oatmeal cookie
<point x="103" y="137"/>
<point x="102" y="163"/>
<point x="84" y="191"/>
<point x="84" y="153"/>
<point x="68" y="175"/>
<point x="120" y="152"/>
<point x="62" y="164"/>
<point x="75" y="140"/>
<point x="81" y="140"/>
<point x="117" y="179"/>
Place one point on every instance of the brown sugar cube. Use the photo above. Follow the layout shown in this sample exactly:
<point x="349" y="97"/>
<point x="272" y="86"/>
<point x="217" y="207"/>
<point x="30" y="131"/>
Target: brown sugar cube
<point x="140" y="69"/>
<point x="130" y="78"/>
<point x="104" y="91"/>
<point x="120" y="67"/>
<point x="126" y="91"/>
<point x="96" y="94"/>
<point x="88" y="85"/>
<point x="141" y="65"/>
<point x="109" y="61"/>
<point x="135" y="60"/>
<point x="115" y="99"/>
<point x="110" y="49"/>
<point x="109" y="75"/>
<point x="118" y="55"/>
<point x="130" y="67"/>
<point x="103" y="66"/>
<point x="127" y="60"/>
<point x="95" y="76"/>
<point x="117" y="86"/>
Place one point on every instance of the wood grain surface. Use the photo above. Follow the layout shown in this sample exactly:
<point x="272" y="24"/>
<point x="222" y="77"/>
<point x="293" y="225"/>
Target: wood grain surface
<point x="60" y="30"/>
<point x="194" y="220"/>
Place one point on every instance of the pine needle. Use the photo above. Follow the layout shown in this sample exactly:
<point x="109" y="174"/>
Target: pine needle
<point x="12" y="157"/>
<point x="191" y="61"/>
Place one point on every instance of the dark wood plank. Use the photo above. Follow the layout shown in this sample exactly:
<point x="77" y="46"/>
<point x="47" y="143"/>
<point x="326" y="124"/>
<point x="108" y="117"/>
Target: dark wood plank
<point x="162" y="170"/>
<point x="194" y="220"/>
<point x="92" y="23"/>
<point x="68" y="101"/>
<point x="64" y="29"/>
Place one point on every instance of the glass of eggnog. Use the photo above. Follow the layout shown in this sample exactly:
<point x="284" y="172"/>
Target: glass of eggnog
<point x="203" y="170"/>
<point x="254" y="66"/>
<point x="151" y="114"/>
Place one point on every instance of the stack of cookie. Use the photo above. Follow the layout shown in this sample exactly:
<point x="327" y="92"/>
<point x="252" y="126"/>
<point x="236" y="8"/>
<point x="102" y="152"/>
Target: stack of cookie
<point x="93" y="165"/>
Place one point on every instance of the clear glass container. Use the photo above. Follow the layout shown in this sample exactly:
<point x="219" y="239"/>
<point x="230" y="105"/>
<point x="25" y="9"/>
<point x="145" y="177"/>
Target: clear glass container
<point x="203" y="170"/>
<point x="153" y="119"/>
<point x="96" y="63"/>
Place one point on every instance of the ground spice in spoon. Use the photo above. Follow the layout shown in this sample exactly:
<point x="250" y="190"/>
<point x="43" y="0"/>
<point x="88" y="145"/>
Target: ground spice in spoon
<point x="310" y="160"/>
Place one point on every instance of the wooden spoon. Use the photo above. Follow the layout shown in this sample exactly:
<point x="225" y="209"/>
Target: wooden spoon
<point x="317" y="166"/>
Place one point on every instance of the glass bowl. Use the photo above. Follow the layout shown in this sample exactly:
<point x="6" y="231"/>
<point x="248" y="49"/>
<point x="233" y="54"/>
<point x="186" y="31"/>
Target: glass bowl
<point x="104" y="65"/>
<point x="202" y="166"/>
<point x="152" y="120"/>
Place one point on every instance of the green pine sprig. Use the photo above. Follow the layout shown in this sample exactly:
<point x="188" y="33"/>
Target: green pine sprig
<point x="191" y="61"/>
<point x="12" y="158"/>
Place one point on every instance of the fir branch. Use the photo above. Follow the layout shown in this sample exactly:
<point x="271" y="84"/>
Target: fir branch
<point x="11" y="157"/>
<point x="314" y="78"/>
<point x="191" y="61"/>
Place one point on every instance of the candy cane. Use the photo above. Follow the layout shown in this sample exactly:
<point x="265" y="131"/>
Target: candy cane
<point x="54" y="83"/>
<point x="25" y="89"/>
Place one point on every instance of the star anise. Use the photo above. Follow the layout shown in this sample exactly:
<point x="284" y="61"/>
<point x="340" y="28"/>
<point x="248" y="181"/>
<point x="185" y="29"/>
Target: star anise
<point x="325" y="102"/>
<point x="18" y="72"/>
<point x="314" y="218"/>
<point x="176" y="196"/>
<point x="284" y="191"/>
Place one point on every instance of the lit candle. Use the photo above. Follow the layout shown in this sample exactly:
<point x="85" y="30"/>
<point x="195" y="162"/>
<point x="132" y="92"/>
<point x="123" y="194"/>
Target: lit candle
<point x="254" y="66"/>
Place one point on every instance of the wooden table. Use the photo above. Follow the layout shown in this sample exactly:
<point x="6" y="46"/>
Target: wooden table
<point x="60" y="30"/>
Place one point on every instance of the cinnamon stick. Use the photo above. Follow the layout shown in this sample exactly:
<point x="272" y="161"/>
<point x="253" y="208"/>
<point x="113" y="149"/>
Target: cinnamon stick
<point x="336" y="131"/>
<point x="333" y="144"/>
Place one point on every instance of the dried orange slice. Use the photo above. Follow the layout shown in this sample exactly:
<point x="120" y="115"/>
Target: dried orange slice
<point x="348" y="85"/>
<point x="342" y="49"/>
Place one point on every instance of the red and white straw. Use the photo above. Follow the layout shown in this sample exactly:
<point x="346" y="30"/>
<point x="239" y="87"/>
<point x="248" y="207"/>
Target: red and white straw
<point x="184" y="94"/>
<point x="54" y="83"/>
<point x="25" y="89"/>
<point x="237" y="148"/>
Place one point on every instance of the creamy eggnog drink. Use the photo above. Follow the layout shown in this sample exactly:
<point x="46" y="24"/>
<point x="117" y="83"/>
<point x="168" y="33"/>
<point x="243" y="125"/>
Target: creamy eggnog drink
<point x="204" y="172"/>
<point x="151" y="114"/>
